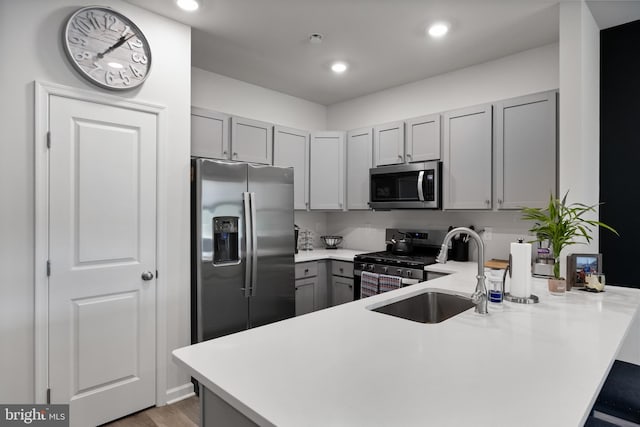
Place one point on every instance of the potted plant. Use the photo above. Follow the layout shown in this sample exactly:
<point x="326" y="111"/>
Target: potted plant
<point x="560" y="224"/>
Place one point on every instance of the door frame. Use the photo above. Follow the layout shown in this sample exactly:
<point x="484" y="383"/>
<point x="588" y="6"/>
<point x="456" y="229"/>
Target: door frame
<point x="43" y="91"/>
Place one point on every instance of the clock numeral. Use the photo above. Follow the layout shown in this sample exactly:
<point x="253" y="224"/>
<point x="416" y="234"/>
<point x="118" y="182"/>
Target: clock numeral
<point x="125" y="78"/>
<point x="141" y="59"/>
<point x="135" y="71"/>
<point x="109" y="77"/>
<point x="82" y="55"/>
<point x="126" y="31"/>
<point x="135" y="43"/>
<point x="78" y="40"/>
<point x="110" y="21"/>
<point x="93" y="20"/>
<point x="96" y="67"/>
<point x="80" y="25"/>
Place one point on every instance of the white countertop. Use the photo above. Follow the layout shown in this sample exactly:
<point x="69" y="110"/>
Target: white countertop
<point x="527" y="365"/>
<point x="337" y="254"/>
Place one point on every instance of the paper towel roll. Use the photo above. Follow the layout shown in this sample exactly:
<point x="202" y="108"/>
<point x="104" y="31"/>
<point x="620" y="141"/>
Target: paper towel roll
<point x="521" y="270"/>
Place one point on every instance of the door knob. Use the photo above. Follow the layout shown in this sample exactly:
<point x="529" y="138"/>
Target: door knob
<point x="147" y="275"/>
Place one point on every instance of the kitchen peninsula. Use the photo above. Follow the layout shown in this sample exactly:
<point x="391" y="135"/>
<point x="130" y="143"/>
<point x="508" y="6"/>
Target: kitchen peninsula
<point x="526" y="365"/>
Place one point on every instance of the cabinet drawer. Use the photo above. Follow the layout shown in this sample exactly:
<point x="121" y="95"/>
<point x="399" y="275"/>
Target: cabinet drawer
<point x="342" y="268"/>
<point x="306" y="269"/>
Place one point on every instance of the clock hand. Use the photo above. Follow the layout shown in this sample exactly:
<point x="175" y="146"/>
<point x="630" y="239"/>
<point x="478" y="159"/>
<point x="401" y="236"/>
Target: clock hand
<point x="122" y="40"/>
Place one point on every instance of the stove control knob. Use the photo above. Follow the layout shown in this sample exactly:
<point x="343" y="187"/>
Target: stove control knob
<point x="370" y="267"/>
<point x="362" y="266"/>
<point x="399" y="272"/>
<point x="385" y="269"/>
<point x="409" y="273"/>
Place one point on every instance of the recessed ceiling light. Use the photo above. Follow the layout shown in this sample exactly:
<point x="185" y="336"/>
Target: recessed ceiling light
<point x="188" y="5"/>
<point x="339" y="67"/>
<point x="438" y="29"/>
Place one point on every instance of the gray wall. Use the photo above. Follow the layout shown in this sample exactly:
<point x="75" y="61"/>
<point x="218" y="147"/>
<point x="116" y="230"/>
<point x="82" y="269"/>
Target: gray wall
<point x="30" y="47"/>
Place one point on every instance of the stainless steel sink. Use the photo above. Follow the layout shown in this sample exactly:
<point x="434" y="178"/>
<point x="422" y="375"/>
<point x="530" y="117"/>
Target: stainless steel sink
<point x="429" y="307"/>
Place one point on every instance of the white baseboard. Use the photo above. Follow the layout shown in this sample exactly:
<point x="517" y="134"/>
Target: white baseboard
<point x="179" y="393"/>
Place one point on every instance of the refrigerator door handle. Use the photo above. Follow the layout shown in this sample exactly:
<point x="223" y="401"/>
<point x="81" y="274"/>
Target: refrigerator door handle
<point x="254" y="247"/>
<point x="248" y="243"/>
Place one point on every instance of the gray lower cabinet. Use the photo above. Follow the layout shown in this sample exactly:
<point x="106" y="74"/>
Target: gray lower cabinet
<point x="525" y="149"/>
<point x="209" y="134"/>
<point x="311" y="286"/>
<point x="359" y="161"/>
<point x="341" y="282"/>
<point x="327" y="171"/>
<point x="305" y="296"/>
<point x="467" y="158"/>
<point x="291" y="149"/>
<point x="251" y="141"/>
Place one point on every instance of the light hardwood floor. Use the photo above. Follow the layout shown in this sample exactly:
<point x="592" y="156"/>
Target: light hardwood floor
<point x="185" y="413"/>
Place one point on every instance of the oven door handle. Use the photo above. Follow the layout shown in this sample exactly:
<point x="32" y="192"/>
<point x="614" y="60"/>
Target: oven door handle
<point x="420" y="185"/>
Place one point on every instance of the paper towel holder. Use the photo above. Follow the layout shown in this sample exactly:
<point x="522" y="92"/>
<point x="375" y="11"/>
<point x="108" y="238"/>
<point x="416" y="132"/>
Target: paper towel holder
<point x="531" y="299"/>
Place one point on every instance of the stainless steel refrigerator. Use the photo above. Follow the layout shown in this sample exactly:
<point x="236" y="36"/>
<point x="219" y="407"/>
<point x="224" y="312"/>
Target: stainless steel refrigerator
<point x="242" y="247"/>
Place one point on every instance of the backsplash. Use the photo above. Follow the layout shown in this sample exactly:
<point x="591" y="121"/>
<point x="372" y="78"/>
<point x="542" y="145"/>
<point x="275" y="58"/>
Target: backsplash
<point x="365" y="230"/>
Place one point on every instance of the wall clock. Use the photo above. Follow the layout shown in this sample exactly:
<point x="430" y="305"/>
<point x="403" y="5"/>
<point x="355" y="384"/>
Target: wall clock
<point x="107" y="48"/>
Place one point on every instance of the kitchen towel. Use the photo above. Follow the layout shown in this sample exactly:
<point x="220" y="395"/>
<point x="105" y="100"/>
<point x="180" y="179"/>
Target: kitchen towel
<point x="520" y="270"/>
<point x="369" y="284"/>
<point x="389" y="283"/>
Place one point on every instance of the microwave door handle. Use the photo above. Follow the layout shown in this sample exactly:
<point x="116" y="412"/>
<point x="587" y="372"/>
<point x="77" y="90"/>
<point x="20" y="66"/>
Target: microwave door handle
<point x="248" y="244"/>
<point x="420" y="185"/>
<point x="254" y="247"/>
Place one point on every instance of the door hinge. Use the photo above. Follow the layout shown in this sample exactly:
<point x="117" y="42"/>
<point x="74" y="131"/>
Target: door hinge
<point x="48" y="268"/>
<point x="48" y="396"/>
<point x="156" y="274"/>
<point x="48" y="139"/>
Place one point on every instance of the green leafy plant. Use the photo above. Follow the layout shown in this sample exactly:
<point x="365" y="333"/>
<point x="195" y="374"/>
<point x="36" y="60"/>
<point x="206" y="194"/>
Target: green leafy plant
<point x="560" y="224"/>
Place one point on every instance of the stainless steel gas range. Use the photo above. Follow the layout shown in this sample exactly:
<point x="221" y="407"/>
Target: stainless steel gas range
<point x="420" y="249"/>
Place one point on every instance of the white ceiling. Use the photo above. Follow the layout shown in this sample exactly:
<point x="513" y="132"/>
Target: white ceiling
<point x="265" y="42"/>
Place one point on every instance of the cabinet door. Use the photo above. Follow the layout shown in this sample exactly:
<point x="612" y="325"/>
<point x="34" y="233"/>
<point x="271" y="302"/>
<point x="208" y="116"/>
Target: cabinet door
<point x="291" y="149"/>
<point x="423" y="138"/>
<point x="327" y="171"/>
<point x="467" y="158"/>
<point x="305" y="296"/>
<point x="388" y="144"/>
<point x="341" y="290"/>
<point x="209" y="134"/>
<point x="525" y="144"/>
<point x="251" y="141"/>
<point x="359" y="161"/>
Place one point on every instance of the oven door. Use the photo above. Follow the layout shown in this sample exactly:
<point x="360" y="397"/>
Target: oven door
<point x="357" y="279"/>
<point x="410" y="186"/>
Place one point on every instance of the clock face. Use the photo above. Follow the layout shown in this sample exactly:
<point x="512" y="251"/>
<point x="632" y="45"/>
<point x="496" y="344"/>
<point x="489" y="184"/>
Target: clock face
<point x="107" y="48"/>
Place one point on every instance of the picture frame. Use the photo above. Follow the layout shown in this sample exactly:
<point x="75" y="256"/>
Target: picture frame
<point x="576" y="266"/>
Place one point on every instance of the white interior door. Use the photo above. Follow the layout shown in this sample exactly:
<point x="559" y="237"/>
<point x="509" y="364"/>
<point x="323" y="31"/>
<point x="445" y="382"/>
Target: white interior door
<point x="102" y="249"/>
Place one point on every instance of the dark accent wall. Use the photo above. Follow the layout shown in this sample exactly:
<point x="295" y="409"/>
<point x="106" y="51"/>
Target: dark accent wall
<point x="620" y="152"/>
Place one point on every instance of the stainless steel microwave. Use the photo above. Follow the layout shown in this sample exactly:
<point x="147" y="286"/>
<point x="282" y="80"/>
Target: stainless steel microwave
<point x="407" y="186"/>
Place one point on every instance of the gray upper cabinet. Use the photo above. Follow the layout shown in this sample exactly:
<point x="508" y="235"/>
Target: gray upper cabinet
<point x="359" y="161"/>
<point x="423" y="138"/>
<point x="388" y="144"/>
<point x="525" y="147"/>
<point x="251" y="141"/>
<point x="467" y="158"/>
<point x="291" y="149"/>
<point x="327" y="171"/>
<point x="209" y="134"/>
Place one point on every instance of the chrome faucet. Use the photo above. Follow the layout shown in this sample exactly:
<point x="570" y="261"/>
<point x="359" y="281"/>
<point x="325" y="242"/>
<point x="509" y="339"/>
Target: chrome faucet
<point x="479" y="297"/>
